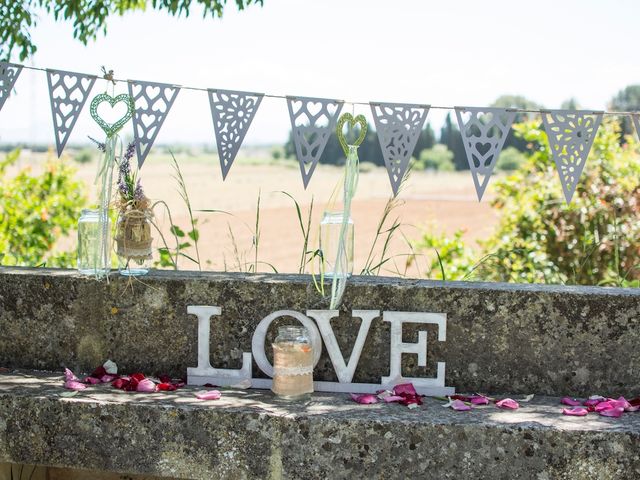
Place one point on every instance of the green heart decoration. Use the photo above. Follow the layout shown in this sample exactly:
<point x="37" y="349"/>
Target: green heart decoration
<point x="347" y="117"/>
<point x="111" y="128"/>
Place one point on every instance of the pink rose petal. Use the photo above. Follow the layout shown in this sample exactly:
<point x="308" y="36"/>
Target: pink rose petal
<point x="404" y="389"/>
<point x="392" y="398"/>
<point x="208" y="395"/>
<point x="575" y="411"/>
<point x="69" y="375"/>
<point x="108" y="378"/>
<point x="572" y="402"/>
<point x="91" y="380"/>
<point x="612" y="412"/>
<point x="146" y="385"/>
<point x="508" y="403"/>
<point x="74" y="385"/>
<point x="479" y="400"/>
<point x="593" y="401"/>
<point x="608" y="405"/>
<point x="460" y="406"/>
<point x="365" y="398"/>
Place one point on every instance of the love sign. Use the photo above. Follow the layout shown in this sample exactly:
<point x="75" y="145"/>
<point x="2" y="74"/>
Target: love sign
<point x="318" y="324"/>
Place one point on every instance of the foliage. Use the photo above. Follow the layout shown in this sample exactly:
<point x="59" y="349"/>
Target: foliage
<point x="626" y="100"/>
<point x="19" y="17"/>
<point x="37" y="209"/>
<point x="450" y="137"/>
<point x="449" y="258"/>
<point x="595" y="240"/>
<point x="84" y="156"/>
<point x="510" y="159"/>
<point x="438" y="157"/>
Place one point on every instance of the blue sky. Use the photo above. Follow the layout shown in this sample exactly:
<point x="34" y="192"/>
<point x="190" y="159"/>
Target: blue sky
<point x="435" y="52"/>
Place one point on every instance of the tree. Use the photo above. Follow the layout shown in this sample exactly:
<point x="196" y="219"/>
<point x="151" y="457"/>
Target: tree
<point x="626" y="100"/>
<point x="18" y="18"/>
<point x="450" y="137"/>
<point x="521" y="103"/>
<point x="439" y="157"/>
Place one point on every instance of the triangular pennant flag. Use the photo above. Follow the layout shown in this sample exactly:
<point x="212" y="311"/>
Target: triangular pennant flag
<point x="9" y="73"/>
<point x="483" y="134"/>
<point x="571" y="134"/>
<point x="398" y="126"/>
<point x="232" y="114"/>
<point x="68" y="92"/>
<point x="313" y="120"/>
<point x="153" y="102"/>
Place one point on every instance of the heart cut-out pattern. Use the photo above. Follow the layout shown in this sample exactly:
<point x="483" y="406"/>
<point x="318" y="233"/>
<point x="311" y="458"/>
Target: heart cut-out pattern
<point x="571" y="134"/>
<point x="232" y="113"/>
<point x="9" y="73"/>
<point x="398" y="126"/>
<point x="111" y="128"/>
<point x="312" y="122"/>
<point x="348" y="119"/>
<point x="68" y="92"/>
<point x="152" y="104"/>
<point x="484" y="131"/>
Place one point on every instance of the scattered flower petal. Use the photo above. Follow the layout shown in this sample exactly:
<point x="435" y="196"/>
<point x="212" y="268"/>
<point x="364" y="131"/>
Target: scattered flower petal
<point x="110" y="367"/>
<point x="612" y="412"/>
<point x="479" y="400"/>
<point x="508" y="403"/>
<point x="71" y="393"/>
<point x="572" y="402"/>
<point x="411" y="406"/>
<point x="460" y="406"/>
<point x="528" y="398"/>
<point x="74" y="385"/>
<point x="392" y="398"/>
<point x="99" y="372"/>
<point x="69" y="375"/>
<point x="364" y="399"/>
<point x="592" y="402"/>
<point x="91" y="380"/>
<point x="108" y="378"/>
<point x="146" y="385"/>
<point x="208" y="395"/>
<point x="575" y="411"/>
<point x="120" y="383"/>
<point x="404" y="389"/>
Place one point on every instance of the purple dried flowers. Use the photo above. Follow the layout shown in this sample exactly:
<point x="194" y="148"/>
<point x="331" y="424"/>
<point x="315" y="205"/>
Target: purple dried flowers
<point x="129" y="187"/>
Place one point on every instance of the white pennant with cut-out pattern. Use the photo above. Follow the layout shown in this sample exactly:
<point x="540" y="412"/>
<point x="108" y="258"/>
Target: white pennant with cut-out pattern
<point x="571" y="134"/>
<point x="398" y="126"/>
<point x="9" y="73"/>
<point x="484" y="131"/>
<point x="232" y="114"/>
<point x="313" y="120"/>
<point x="68" y="92"/>
<point x="152" y="104"/>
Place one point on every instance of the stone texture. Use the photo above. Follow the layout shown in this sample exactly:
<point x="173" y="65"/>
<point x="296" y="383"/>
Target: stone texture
<point x="249" y="434"/>
<point x="523" y="339"/>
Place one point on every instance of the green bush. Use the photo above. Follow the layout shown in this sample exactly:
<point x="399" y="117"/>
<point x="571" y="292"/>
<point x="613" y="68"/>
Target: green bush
<point x="84" y="156"/>
<point x="438" y="157"/>
<point x="510" y="159"/>
<point x="595" y="240"/>
<point x="37" y="210"/>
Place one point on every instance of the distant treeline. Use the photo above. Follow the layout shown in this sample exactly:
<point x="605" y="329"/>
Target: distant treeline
<point x="627" y="99"/>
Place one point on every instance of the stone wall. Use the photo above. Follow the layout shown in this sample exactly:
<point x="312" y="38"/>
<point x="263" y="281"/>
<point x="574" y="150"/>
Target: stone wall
<point x="552" y="340"/>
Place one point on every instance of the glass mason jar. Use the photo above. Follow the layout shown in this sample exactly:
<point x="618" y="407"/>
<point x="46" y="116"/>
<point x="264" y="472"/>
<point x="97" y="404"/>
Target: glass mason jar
<point x="331" y="228"/>
<point x="90" y="253"/>
<point x="292" y="363"/>
<point x="134" y="243"/>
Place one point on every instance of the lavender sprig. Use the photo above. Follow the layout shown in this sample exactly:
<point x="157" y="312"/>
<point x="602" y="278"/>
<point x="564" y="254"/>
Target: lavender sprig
<point x="101" y="146"/>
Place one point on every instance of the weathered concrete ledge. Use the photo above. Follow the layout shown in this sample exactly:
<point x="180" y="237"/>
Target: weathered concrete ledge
<point x="523" y="339"/>
<point x="249" y="434"/>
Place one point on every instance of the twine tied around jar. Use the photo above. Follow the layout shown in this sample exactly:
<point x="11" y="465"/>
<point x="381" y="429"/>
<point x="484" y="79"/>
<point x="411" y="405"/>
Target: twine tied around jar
<point x="133" y="237"/>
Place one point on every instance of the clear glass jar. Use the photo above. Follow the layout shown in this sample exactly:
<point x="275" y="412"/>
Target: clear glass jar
<point x="331" y="228"/>
<point x="90" y="252"/>
<point x="292" y="363"/>
<point x="134" y="243"/>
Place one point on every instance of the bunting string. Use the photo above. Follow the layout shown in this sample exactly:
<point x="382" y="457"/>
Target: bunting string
<point x="483" y="129"/>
